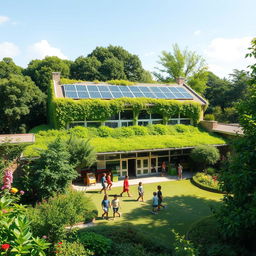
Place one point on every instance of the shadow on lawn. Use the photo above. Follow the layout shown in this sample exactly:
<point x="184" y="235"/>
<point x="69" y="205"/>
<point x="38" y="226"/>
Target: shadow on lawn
<point x="180" y="213"/>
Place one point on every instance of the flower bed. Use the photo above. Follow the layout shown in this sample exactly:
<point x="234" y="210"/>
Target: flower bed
<point x="207" y="182"/>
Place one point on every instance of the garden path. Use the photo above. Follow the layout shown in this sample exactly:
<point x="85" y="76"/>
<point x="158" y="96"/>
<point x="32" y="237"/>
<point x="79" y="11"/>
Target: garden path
<point x="134" y="181"/>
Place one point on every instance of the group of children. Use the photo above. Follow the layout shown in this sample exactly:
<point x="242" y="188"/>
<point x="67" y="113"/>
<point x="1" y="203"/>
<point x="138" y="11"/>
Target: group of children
<point x="115" y="204"/>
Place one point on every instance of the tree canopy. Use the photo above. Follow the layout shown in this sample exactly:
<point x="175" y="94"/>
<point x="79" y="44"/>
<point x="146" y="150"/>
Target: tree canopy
<point x="187" y="64"/>
<point x="8" y="67"/>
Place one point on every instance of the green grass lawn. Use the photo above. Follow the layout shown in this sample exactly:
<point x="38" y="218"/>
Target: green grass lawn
<point x="185" y="204"/>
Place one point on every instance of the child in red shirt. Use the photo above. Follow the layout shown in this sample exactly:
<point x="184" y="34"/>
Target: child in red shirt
<point x="109" y="182"/>
<point x="126" y="186"/>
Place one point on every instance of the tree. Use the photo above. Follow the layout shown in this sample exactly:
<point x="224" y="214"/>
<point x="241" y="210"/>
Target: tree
<point x="8" y="67"/>
<point x="40" y="71"/>
<point x="185" y="64"/>
<point x="112" y="62"/>
<point x="237" y="216"/>
<point x="81" y="151"/>
<point x="53" y="172"/>
<point x="205" y="155"/>
<point x="19" y="100"/>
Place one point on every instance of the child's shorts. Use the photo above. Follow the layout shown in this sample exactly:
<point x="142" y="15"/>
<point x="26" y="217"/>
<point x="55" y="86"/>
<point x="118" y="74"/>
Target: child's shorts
<point x="155" y="206"/>
<point x="105" y="209"/>
<point x="115" y="210"/>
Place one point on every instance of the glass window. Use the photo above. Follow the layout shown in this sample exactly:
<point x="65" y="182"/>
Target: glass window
<point x="131" y="155"/>
<point x="111" y="157"/>
<point x="111" y="124"/>
<point x="93" y="124"/>
<point x="113" y="166"/>
<point x="138" y="172"/>
<point x="127" y="115"/>
<point x="124" y="164"/>
<point x="142" y="123"/>
<point x="125" y="124"/>
<point x="156" y="116"/>
<point x="176" y="152"/>
<point x="160" y="153"/>
<point x="143" y="154"/>
<point x="145" y="171"/>
<point x="157" y="122"/>
<point x="144" y="115"/>
<point x="173" y="121"/>
<point x="153" y="165"/>
<point x="114" y="117"/>
<point x="145" y="163"/>
<point x="138" y="163"/>
<point x="186" y="121"/>
<point x="100" y="157"/>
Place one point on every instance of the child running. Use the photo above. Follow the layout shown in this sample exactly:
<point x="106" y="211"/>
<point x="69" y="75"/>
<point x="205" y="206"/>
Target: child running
<point x="126" y="186"/>
<point x="141" y="192"/>
<point x="103" y="183"/>
<point x="105" y="206"/>
<point x="154" y="203"/>
<point x="115" y="205"/>
<point x="160" y="197"/>
<point x="109" y="182"/>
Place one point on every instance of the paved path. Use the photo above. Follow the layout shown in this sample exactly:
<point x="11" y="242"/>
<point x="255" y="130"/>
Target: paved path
<point x="134" y="181"/>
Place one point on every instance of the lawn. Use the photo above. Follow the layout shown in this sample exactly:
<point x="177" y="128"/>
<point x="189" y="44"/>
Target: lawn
<point x="185" y="205"/>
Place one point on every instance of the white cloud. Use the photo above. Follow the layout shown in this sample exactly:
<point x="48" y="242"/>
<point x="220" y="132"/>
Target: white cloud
<point x="8" y="49"/>
<point x="4" y="19"/>
<point x="225" y="54"/>
<point x="42" y="49"/>
<point x="197" y="33"/>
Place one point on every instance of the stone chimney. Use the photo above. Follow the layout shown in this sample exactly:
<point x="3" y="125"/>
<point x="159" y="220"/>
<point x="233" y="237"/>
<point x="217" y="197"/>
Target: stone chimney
<point x="180" y="80"/>
<point x="56" y="77"/>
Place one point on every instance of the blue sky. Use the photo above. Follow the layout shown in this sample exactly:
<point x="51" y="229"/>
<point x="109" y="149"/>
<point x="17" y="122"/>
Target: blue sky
<point x="219" y="30"/>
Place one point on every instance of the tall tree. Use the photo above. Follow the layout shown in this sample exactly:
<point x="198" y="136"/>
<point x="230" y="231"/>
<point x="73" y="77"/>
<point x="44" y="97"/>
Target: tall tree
<point x="238" y="216"/>
<point x="187" y="64"/>
<point x="8" y="67"/>
<point x="21" y="104"/>
<point x="40" y="71"/>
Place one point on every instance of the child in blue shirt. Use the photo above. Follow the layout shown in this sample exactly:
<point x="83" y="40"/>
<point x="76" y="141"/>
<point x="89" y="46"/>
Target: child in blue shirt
<point x="154" y="203"/>
<point x="105" y="206"/>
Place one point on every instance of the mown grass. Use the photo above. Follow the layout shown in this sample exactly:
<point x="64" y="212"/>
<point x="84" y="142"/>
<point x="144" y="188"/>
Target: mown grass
<point x="185" y="204"/>
<point x="107" y="139"/>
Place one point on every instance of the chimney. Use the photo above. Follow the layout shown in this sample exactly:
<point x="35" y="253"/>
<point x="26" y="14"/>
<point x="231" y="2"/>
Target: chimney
<point x="180" y="80"/>
<point x="56" y="77"/>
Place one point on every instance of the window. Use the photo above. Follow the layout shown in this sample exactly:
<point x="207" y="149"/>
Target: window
<point x="142" y="154"/>
<point x="127" y="115"/>
<point x="157" y="122"/>
<point x="144" y="115"/>
<point x="111" y="124"/>
<point x="129" y="155"/>
<point x="143" y="123"/>
<point x="173" y="121"/>
<point x="160" y="153"/>
<point x="111" y="157"/>
<point x="114" y="117"/>
<point x="156" y="116"/>
<point x="126" y="123"/>
<point x="71" y="125"/>
<point x="113" y="166"/>
<point x="185" y="121"/>
<point x="93" y="124"/>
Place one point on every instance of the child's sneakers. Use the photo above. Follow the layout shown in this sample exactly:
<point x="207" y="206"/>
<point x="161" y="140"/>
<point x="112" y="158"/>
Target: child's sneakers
<point x="154" y="212"/>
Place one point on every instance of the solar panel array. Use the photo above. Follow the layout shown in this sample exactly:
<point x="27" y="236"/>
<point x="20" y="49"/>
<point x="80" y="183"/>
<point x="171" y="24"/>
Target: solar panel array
<point x="78" y="91"/>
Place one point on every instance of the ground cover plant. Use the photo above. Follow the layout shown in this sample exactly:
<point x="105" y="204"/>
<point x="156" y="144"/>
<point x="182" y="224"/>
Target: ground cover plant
<point x="106" y="139"/>
<point x="207" y="181"/>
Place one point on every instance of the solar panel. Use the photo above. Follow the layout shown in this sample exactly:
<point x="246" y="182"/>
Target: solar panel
<point x="78" y="91"/>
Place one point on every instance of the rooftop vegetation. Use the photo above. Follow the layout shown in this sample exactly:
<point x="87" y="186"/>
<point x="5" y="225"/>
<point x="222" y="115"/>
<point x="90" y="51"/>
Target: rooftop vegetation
<point x="107" y="139"/>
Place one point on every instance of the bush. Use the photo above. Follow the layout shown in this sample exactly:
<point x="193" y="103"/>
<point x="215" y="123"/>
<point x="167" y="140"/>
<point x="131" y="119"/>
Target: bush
<point x="205" y="155"/>
<point x="209" y="117"/>
<point x="50" y="218"/>
<point x="99" y="244"/>
<point x="140" y="130"/>
<point x="126" y="249"/>
<point x="71" y="249"/>
<point x="120" y="82"/>
<point x="206" y="180"/>
<point x="181" y="128"/>
<point x="42" y="127"/>
<point x="210" y="171"/>
<point x="105" y="131"/>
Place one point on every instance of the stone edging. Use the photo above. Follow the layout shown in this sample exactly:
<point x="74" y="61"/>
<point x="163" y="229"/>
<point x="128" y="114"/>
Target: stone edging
<point x="194" y="182"/>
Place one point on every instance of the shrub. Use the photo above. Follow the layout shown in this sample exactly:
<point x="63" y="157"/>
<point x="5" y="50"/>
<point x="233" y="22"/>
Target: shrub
<point x="126" y="132"/>
<point x="71" y="249"/>
<point x="210" y="171"/>
<point x="105" y="131"/>
<point x="207" y="180"/>
<point x="15" y="230"/>
<point x="205" y="154"/>
<point x="140" y="130"/>
<point x="50" y="218"/>
<point x="99" y="244"/>
<point x="209" y="117"/>
<point x="42" y="127"/>
<point x="79" y="131"/>
<point x="53" y="172"/>
<point x="126" y="249"/>
<point x="181" y="128"/>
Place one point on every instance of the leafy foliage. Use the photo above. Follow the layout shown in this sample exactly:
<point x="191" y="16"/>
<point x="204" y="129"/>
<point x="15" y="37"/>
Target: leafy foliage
<point x="205" y="155"/>
<point x="206" y="180"/>
<point x="15" y="230"/>
<point x="50" y="217"/>
<point x="53" y="172"/>
<point x="185" y="64"/>
<point x="20" y="103"/>
<point x="71" y="249"/>
<point x="8" y="68"/>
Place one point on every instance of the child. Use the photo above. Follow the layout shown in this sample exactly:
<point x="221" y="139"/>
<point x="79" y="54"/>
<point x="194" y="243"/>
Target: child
<point x="105" y="206"/>
<point x="126" y="186"/>
<point x="160" y="197"/>
<point x="141" y="192"/>
<point x="154" y="203"/>
<point x="116" y="205"/>
<point x="180" y="168"/>
<point x="103" y="183"/>
<point x="109" y="182"/>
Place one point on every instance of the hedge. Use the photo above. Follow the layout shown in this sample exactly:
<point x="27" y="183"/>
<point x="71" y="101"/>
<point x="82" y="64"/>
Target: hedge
<point x="63" y="111"/>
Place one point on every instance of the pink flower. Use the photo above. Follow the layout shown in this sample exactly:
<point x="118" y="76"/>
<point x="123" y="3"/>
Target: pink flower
<point x="4" y="211"/>
<point x="22" y="192"/>
<point x="44" y="237"/>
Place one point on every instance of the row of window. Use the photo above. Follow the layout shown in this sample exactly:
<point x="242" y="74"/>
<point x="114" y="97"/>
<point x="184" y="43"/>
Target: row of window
<point x="125" y="119"/>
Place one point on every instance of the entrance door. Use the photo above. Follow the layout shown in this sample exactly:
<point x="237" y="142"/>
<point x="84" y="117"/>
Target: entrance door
<point x="124" y="167"/>
<point x="153" y="165"/>
<point x="132" y="167"/>
<point x="142" y="166"/>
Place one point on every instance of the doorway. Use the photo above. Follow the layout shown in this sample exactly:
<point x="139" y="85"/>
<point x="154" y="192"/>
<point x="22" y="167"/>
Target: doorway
<point x="132" y="167"/>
